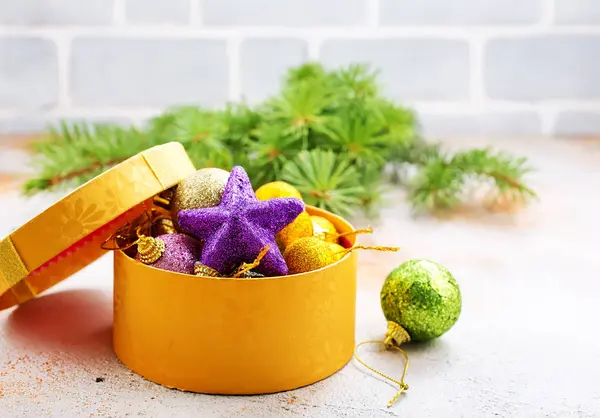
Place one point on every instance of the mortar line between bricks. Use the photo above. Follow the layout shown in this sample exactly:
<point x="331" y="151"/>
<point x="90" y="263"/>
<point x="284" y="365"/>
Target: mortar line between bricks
<point x="233" y="52"/>
<point x="195" y="12"/>
<point x="119" y="12"/>
<point x="548" y="15"/>
<point x="476" y="78"/>
<point x="372" y="13"/>
<point x="314" y="47"/>
<point x="350" y="32"/>
<point x="500" y="107"/>
<point x="444" y="108"/>
<point x="548" y="119"/>
<point x="83" y="112"/>
<point x="63" y="44"/>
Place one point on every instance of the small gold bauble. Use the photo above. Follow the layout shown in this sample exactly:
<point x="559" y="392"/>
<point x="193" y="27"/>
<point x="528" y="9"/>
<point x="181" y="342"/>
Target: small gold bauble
<point x="163" y="226"/>
<point x="312" y="253"/>
<point x="202" y="189"/>
<point x="324" y="229"/>
<point x="301" y="227"/>
<point x="308" y="254"/>
<point x="202" y="270"/>
<point x="150" y="249"/>
<point x="277" y="189"/>
<point x="251" y="275"/>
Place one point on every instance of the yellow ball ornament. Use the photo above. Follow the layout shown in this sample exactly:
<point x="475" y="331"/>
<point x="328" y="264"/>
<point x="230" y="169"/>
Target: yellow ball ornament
<point x="324" y="229"/>
<point x="277" y="189"/>
<point x="337" y="249"/>
<point x="311" y="253"/>
<point x="301" y="227"/>
<point x="308" y="254"/>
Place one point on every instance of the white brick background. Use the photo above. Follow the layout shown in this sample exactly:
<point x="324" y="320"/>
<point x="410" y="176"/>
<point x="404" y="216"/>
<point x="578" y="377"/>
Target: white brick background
<point x="470" y="67"/>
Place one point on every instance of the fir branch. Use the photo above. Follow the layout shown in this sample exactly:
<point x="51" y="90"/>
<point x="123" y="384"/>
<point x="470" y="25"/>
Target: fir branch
<point x="268" y="155"/>
<point x="300" y="108"/>
<point x="357" y="134"/>
<point x="238" y="125"/>
<point x="398" y="123"/>
<point x="372" y="183"/>
<point x="329" y="133"/>
<point x="355" y="81"/>
<point x="441" y="181"/>
<point x="310" y="71"/>
<point x="437" y="186"/>
<point x="506" y="171"/>
<point x="71" y="155"/>
<point x="325" y="180"/>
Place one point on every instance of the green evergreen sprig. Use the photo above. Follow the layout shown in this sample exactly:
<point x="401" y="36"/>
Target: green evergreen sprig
<point x="329" y="133"/>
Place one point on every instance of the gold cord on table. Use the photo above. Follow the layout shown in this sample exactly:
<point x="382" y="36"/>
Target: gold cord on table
<point x="394" y="337"/>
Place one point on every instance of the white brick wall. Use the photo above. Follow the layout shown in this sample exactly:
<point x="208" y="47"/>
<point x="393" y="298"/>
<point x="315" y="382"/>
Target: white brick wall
<point x="472" y="67"/>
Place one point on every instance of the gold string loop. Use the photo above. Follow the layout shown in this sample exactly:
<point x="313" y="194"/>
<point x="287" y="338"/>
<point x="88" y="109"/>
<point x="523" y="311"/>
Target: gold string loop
<point x="394" y="338"/>
<point x="130" y="233"/>
<point x="349" y="233"/>
<point x="114" y="238"/>
<point x="365" y="247"/>
<point x="402" y="385"/>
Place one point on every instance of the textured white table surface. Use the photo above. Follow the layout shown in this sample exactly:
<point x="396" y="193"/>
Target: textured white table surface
<point x="526" y="345"/>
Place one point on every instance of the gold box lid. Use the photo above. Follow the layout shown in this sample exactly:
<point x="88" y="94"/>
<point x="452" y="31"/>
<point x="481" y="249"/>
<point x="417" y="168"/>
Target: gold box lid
<point x="68" y="235"/>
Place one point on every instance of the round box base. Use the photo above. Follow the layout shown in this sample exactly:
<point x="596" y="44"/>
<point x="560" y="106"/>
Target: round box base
<point x="235" y="336"/>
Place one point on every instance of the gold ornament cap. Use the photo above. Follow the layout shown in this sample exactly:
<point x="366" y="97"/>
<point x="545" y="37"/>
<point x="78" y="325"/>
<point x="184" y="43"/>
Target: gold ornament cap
<point x="205" y="271"/>
<point x="75" y="227"/>
<point x="324" y="229"/>
<point x="163" y="226"/>
<point x="150" y="249"/>
<point x="396" y="335"/>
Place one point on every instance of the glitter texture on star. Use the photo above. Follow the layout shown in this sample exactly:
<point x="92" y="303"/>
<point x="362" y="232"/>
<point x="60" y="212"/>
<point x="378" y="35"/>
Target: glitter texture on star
<point x="237" y="229"/>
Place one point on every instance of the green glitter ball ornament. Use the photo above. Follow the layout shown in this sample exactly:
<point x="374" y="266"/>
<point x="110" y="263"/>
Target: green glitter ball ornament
<point x="421" y="301"/>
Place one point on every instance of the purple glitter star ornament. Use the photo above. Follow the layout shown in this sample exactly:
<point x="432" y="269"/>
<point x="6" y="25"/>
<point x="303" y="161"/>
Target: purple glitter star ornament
<point x="235" y="231"/>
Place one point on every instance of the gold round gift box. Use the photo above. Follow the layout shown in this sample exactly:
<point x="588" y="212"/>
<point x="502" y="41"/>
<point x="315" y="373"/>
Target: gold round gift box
<point x="236" y="336"/>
